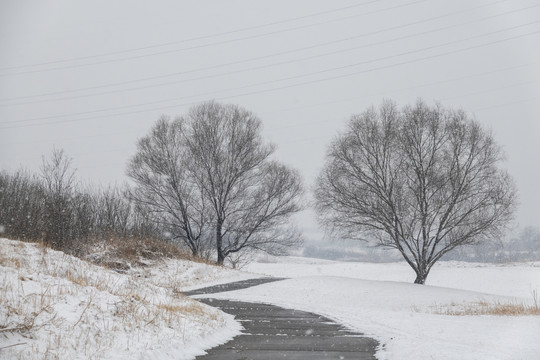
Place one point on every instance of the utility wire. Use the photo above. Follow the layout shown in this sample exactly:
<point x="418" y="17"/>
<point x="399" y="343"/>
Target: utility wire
<point x="318" y="104"/>
<point x="491" y="89"/>
<point x="296" y="76"/>
<point x="535" y="98"/>
<point x="259" y="91"/>
<point x="191" y="39"/>
<point x="255" y="58"/>
<point x="408" y="88"/>
<point x="214" y="43"/>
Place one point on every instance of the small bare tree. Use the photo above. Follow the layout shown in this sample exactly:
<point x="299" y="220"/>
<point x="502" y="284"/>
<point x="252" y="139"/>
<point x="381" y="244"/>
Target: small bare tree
<point x="422" y="180"/>
<point x="165" y="189"/>
<point x="21" y="205"/>
<point x="58" y="177"/>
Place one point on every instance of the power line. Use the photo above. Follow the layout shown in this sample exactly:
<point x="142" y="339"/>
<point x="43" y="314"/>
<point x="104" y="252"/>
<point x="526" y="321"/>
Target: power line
<point x="214" y="43"/>
<point x="259" y="91"/>
<point x="365" y="96"/>
<point x="290" y="77"/>
<point x="408" y="88"/>
<point x="492" y="89"/>
<point x="193" y="38"/>
<point x="255" y="58"/>
<point x="535" y="98"/>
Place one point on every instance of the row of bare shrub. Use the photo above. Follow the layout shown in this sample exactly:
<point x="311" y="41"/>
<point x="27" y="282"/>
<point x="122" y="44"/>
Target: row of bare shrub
<point x="53" y="208"/>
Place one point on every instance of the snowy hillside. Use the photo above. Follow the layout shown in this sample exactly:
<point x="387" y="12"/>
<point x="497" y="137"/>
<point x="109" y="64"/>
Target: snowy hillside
<point x="57" y="306"/>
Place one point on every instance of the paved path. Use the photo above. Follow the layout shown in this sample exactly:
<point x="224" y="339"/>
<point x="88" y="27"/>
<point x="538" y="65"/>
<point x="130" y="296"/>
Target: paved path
<point x="237" y="285"/>
<point x="273" y="332"/>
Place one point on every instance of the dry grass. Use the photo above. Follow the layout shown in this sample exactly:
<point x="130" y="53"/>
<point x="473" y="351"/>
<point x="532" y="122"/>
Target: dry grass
<point x="37" y="283"/>
<point x="25" y="312"/>
<point x="191" y="308"/>
<point x="488" y="308"/>
<point x="11" y="261"/>
<point x="125" y="253"/>
<point x="122" y="253"/>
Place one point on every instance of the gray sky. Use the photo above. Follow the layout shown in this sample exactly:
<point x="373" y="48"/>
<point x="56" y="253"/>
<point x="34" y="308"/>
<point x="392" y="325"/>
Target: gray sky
<point x="92" y="77"/>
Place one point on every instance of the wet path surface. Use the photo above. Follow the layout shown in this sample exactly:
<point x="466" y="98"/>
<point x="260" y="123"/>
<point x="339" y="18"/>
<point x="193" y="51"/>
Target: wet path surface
<point x="237" y="285"/>
<point x="273" y="332"/>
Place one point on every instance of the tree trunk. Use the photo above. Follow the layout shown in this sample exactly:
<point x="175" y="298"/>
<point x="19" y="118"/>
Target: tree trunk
<point x="194" y="251"/>
<point x="219" y="241"/>
<point x="421" y="276"/>
<point x="420" y="279"/>
<point x="220" y="257"/>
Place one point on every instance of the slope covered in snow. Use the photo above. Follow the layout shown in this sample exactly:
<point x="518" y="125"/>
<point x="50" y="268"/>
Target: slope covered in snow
<point x="56" y="306"/>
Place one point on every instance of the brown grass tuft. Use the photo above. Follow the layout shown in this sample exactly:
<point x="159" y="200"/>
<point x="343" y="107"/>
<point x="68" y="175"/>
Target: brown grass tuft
<point x="486" y="308"/>
<point x="190" y="308"/>
<point x="125" y="253"/>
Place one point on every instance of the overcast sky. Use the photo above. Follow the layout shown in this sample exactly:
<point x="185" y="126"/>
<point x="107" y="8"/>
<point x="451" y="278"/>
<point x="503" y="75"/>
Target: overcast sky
<point x="91" y="77"/>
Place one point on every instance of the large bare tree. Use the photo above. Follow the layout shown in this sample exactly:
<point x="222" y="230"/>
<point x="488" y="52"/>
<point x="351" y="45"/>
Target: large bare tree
<point x="165" y="189"/>
<point x="208" y="175"/>
<point x="252" y="197"/>
<point x="421" y="179"/>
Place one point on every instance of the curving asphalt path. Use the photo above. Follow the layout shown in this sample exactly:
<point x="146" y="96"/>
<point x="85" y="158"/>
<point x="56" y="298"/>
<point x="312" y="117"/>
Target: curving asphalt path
<point x="272" y="332"/>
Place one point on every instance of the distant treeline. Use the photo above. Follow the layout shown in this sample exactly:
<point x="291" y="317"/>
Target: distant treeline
<point x="525" y="246"/>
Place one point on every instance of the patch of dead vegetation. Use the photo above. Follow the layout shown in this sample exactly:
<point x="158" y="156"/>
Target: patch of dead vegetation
<point x="495" y="308"/>
<point x="37" y="286"/>
<point x="122" y="254"/>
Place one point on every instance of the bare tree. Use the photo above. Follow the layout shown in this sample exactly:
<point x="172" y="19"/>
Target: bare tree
<point x="59" y="180"/>
<point x="252" y="197"/>
<point x="53" y="208"/>
<point x="423" y="180"/>
<point x="165" y="189"/>
<point x="113" y="212"/>
<point x="58" y="173"/>
<point x="207" y="177"/>
<point x="21" y="205"/>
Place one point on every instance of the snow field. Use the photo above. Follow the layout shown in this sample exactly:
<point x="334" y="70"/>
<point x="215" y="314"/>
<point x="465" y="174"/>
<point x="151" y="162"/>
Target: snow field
<point x="514" y="279"/>
<point x="56" y="306"/>
<point x="408" y="319"/>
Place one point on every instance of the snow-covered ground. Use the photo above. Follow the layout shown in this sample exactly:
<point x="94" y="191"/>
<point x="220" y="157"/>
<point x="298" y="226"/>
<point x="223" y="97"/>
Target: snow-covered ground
<point x="514" y="279"/>
<point x="55" y="306"/>
<point x="409" y="319"/>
